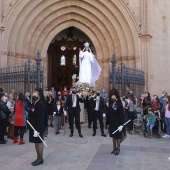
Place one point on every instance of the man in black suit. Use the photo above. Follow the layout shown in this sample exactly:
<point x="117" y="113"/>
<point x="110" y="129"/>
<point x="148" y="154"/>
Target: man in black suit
<point x="89" y="110"/>
<point x="73" y="109"/>
<point x="27" y="99"/>
<point x="98" y="110"/>
<point x="59" y="96"/>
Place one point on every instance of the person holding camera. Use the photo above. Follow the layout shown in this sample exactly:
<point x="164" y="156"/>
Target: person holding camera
<point x="98" y="112"/>
<point x="73" y="110"/>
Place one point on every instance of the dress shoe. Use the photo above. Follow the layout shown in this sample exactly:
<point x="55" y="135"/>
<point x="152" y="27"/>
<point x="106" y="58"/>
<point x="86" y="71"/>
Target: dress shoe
<point x="71" y="135"/>
<point x="103" y="135"/>
<point x="94" y="134"/>
<point x="113" y="152"/>
<point x="80" y="135"/>
<point x="34" y="161"/>
<point x="117" y="152"/>
<point x="38" y="162"/>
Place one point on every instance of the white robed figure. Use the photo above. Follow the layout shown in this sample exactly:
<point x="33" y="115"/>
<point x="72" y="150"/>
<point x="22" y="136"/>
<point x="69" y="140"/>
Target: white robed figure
<point x="89" y="69"/>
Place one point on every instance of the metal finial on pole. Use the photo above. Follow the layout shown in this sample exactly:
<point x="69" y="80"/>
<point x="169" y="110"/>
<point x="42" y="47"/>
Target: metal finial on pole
<point x="38" y="54"/>
<point x="38" y="62"/>
<point x="113" y="71"/>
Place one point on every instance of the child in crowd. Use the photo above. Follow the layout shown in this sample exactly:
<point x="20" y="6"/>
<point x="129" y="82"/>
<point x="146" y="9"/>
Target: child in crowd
<point x="151" y="119"/>
<point x="57" y="113"/>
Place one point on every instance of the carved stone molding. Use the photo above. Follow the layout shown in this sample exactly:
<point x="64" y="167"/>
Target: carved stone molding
<point x="124" y="58"/>
<point x="20" y="55"/>
<point x="127" y="58"/>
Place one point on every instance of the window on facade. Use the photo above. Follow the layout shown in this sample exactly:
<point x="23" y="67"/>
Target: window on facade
<point x="74" y="60"/>
<point x="63" y="60"/>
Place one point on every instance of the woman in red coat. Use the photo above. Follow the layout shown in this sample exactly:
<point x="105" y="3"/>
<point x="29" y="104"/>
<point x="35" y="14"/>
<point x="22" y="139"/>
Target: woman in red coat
<point x="20" y="118"/>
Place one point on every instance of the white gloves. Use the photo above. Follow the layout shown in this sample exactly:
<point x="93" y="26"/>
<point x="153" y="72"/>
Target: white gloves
<point x="54" y="113"/>
<point x="104" y="115"/>
<point x="120" y="128"/>
<point x="65" y="113"/>
<point x="36" y="134"/>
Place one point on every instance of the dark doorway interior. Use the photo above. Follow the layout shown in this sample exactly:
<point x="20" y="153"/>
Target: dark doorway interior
<point x="63" y="63"/>
<point x="63" y="57"/>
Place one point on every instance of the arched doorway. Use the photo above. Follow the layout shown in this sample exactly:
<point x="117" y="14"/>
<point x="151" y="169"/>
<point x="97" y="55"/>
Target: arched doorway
<point x="32" y="25"/>
<point x="63" y="57"/>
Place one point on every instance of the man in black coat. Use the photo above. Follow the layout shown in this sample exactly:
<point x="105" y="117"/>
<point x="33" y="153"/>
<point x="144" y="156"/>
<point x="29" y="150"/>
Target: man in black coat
<point x="4" y="114"/>
<point x="59" y="96"/>
<point x="89" y="110"/>
<point x="28" y="99"/>
<point x="73" y="109"/>
<point x="98" y="111"/>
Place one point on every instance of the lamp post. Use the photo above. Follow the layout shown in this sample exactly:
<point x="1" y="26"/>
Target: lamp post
<point x="113" y="71"/>
<point x="38" y="62"/>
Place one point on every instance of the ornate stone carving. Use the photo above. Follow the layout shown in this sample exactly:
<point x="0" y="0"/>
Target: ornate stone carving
<point x="124" y="58"/>
<point x="20" y="55"/>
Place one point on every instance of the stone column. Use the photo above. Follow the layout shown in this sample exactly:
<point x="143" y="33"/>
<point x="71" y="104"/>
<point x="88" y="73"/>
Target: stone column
<point x="145" y="37"/>
<point x="3" y="56"/>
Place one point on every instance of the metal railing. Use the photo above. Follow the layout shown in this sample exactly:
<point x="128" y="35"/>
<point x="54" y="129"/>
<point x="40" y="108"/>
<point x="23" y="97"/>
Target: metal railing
<point x="121" y="76"/>
<point x="22" y="78"/>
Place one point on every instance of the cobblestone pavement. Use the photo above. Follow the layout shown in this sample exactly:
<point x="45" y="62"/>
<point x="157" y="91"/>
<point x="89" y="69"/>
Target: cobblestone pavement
<point x="91" y="153"/>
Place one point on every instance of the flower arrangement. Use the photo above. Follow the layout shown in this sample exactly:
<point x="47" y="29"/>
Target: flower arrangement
<point x="85" y="88"/>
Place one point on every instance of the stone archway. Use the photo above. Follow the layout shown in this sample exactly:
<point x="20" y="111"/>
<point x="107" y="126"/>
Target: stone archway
<point x="31" y="25"/>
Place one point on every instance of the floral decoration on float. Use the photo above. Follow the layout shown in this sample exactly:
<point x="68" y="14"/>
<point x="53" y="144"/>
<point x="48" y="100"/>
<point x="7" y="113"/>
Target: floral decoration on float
<point x="85" y="88"/>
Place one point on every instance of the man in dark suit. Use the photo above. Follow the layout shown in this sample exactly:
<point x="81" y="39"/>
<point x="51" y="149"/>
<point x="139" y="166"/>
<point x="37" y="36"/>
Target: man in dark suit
<point x="73" y="109"/>
<point x="89" y="110"/>
<point x="59" y="96"/>
<point x="27" y="99"/>
<point x="98" y="111"/>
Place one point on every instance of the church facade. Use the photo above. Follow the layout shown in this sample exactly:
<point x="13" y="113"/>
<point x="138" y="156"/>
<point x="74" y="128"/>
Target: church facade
<point x="136" y="31"/>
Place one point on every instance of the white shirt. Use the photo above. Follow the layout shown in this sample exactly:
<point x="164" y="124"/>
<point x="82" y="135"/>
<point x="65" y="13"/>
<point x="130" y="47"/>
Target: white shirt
<point x="97" y="104"/>
<point x="58" y="107"/>
<point x="74" y="98"/>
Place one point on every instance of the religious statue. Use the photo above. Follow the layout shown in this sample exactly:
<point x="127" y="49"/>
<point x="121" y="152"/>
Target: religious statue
<point x="89" y="69"/>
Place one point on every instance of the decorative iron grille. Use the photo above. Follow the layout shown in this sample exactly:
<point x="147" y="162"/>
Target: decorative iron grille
<point x="22" y="78"/>
<point x="120" y="77"/>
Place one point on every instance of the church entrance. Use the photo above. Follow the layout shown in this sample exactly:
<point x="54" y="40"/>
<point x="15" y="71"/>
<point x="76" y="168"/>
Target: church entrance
<point x="63" y="57"/>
